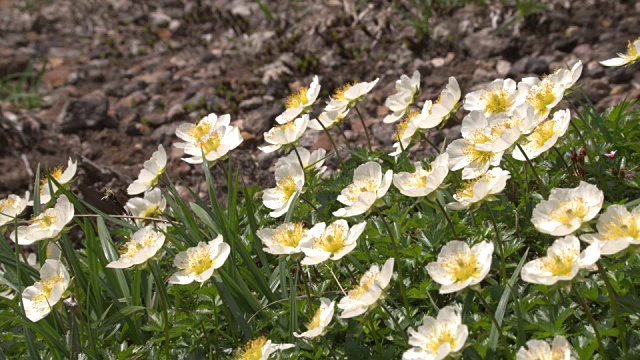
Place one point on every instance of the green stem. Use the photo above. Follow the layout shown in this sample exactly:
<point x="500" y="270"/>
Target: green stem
<point x="346" y="141"/>
<point x="374" y="334"/>
<point x="566" y="165"/>
<point x="585" y="307"/>
<point x="295" y="149"/>
<point x="425" y="138"/>
<point x="155" y="270"/>
<point x="446" y="216"/>
<point x="622" y="330"/>
<point x="492" y="315"/>
<point x="543" y="188"/>
<point x="395" y="321"/>
<point x="333" y="143"/>
<point x="398" y="262"/>
<point x="307" y="286"/>
<point x="364" y="126"/>
<point x="499" y="245"/>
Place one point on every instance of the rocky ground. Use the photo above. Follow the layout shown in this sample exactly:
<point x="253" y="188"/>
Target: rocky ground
<point x="118" y="76"/>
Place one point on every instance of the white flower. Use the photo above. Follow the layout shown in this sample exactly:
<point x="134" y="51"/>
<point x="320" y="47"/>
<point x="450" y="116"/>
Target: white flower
<point x="285" y="134"/>
<point x="632" y="55"/>
<point x="47" y="225"/>
<point x="437" y="338"/>
<point x="560" y="349"/>
<point x="300" y="102"/>
<point x="470" y="152"/>
<point x="365" y="296"/>
<point x="400" y="102"/>
<point x="198" y="263"/>
<point x="259" y="349"/>
<point x="368" y="185"/>
<point x="40" y="298"/>
<point x="11" y="207"/>
<point x="567" y="209"/>
<point x="328" y="118"/>
<point x="152" y="205"/>
<point x="501" y="96"/>
<point x="444" y="106"/>
<point x="459" y="266"/>
<point x="320" y="321"/>
<point x="406" y="129"/>
<point x="289" y="181"/>
<point x="617" y="229"/>
<point x="150" y="173"/>
<point x="480" y="189"/>
<point x="348" y="95"/>
<point x="48" y="188"/>
<point x="142" y="246"/>
<point x="423" y="182"/>
<point x="544" y="94"/>
<point x="333" y="242"/>
<point x="563" y="261"/>
<point x="545" y="135"/>
<point x="287" y="238"/>
<point x="310" y="160"/>
<point x="211" y="136"/>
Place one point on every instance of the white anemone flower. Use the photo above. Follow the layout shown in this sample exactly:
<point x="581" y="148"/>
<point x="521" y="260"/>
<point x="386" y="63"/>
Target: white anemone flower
<point x="11" y="207"/>
<point x="198" y="263"/>
<point x="480" y="189"/>
<point x="289" y="181"/>
<point x="566" y="209"/>
<point x="632" y="55"/>
<point x="437" y="338"/>
<point x="285" y="134"/>
<point x="310" y="160"/>
<point x="259" y="349"/>
<point x="400" y="102"/>
<point x="333" y="242"/>
<point x="366" y="295"/>
<point x="150" y="173"/>
<point x="47" y="225"/>
<point x="444" y="106"/>
<point x="142" y="246"/>
<point x="48" y="189"/>
<point x="617" y="229"/>
<point x="300" y="102"/>
<point x="545" y="135"/>
<point x="286" y="239"/>
<point x="348" y="95"/>
<point x="40" y="298"/>
<point x="369" y="185"/>
<point x="544" y="94"/>
<point x="321" y="319"/>
<point x="152" y="205"/>
<point x="471" y="153"/>
<point x="407" y="128"/>
<point x="328" y="119"/>
<point x="560" y="349"/>
<point x="501" y="132"/>
<point x="459" y="266"/>
<point x="500" y="96"/>
<point x="423" y="182"/>
<point x="562" y="263"/>
<point x="211" y="136"/>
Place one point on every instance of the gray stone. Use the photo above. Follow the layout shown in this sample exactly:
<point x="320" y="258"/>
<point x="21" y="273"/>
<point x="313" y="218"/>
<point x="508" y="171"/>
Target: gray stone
<point x="87" y="113"/>
<point x="260" y="120"/>
<point x="484" y="44"/>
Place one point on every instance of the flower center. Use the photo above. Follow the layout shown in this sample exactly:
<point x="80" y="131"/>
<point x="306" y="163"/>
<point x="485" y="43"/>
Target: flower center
<point x="418" y="179"/>
<point x="354" y="190"/>
<point x="287" y="186"/>
<point x="199" y="131"/>
<point x="440" y="335"/>
<point x="496" y="101"/>
<point x="316" y="320"/>
<point x="463" y="266"/>
<point x="366" y="282"/>
<point x="332" y="240"/>
<point x="47" y="285"/>
<point x="401" y="128"/>
<point x="466" y="192"/>
<point x="478" y="136"/>
<point x="45" y="220"/>
<point x="559" y="264"/>
<point x="289" y="234"/>
<point x="5" y="203"/>
<point x="209" y="142"/>
<point x="631" y="49"/>
<point x="55" y="173"/>
<point x="477" y="156"/>
<point x="543" y="133"/>
<point x="622" y="226"/>
<point x="199" y="261"/>
<point x="339" y="93"/>
<point x="299" y="98"/>
<point x="542" y="96"/>
<point x="252" y="350"/>
<point x="567" y="211"/>
<point x="132" y="247"/>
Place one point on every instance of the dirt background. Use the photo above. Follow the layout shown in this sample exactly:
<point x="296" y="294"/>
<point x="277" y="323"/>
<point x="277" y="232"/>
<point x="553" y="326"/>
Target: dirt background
<point x="107" y="81"/>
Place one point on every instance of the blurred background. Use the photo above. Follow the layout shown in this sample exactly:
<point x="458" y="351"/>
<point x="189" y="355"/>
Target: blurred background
<point x="106" y="81"/>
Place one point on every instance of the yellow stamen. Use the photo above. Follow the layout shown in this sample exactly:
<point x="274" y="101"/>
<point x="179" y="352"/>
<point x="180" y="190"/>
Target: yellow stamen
<point x="622" y="226"/>
<point x="5" y="203"/>
<point x="496" y="101"/>
<point x="404" y="124"/>
<point x="569" y="210"/>
<point x="287" y="186"/>
<point x="466" y="191"/>
<point x="289" y="234"/>
<point x="298" y="98"/>
<point x="477" y="156"/>
<point x="354" y="190"/>
<point x="559" y="264"/>
<point x="333" y="240"/>
<point x="542" y="133"/>
<point x="339" y="93"/>
<point x="210" y="143"/>
<point x="365" y="284"/>
<point x="55" y="173"/>
<point x="316" y="320"/>
<point x="439" y="335"/>
<point x="45" y="220"/>
<point x="200" y="130"/>
<point x="463" y="266"/>
<point x="631" y="50"/>
<point x="199" y="261"/>
<point x="252" y="350"/>
<point x="48" y="284"/>
<point x="541" y="96"/>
